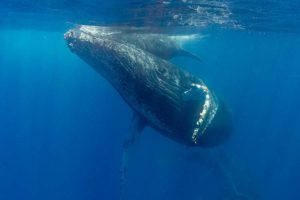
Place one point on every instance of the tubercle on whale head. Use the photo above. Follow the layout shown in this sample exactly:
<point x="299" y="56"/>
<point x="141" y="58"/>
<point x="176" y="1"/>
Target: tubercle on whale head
<point x="86" y="34"/>
<point x="71" y="36"/>
<point x="76" y="35"/>
<point x="85" y="31"/>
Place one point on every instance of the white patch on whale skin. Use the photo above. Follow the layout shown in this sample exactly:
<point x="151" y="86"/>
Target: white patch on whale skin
<point x="97" y="30"/>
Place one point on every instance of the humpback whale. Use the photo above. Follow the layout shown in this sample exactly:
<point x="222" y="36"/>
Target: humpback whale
<point x="174" y="102"/>
<point x="177" y="104"/>
<point x="162" y="45"/>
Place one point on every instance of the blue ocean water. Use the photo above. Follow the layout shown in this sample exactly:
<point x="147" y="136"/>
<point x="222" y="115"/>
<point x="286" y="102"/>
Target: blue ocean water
<point x="62" y="125"/>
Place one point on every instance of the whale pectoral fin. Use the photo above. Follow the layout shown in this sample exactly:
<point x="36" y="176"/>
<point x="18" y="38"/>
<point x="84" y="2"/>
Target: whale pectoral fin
<point x="189" y="55"/>
<point x="138" y="124"/>
<point x="136" y="127"/>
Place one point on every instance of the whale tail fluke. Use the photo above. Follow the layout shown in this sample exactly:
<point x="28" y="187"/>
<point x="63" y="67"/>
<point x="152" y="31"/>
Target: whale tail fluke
<point x="190" y="55"/>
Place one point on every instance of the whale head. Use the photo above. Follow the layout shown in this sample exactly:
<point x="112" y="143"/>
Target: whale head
<point x="94" y="46"/>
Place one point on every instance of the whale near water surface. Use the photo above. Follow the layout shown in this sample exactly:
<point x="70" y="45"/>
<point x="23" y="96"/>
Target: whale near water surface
<point x="162" y="95"/>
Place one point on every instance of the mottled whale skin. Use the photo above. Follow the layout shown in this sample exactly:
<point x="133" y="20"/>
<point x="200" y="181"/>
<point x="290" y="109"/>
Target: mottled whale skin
<point x="172" y="101"/>
<point x="162" y="45"/>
